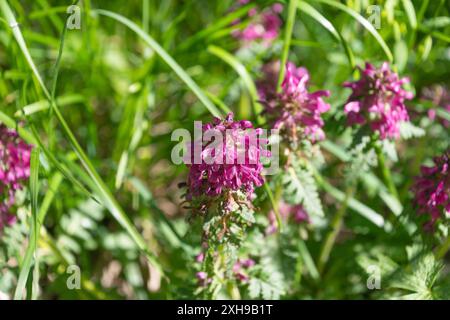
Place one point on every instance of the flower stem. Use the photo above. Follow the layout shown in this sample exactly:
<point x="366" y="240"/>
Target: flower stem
<point x="385" y="171"/>
<point x="336" y="225"/>
<point x="274" y="206"/>
<point x="443" y="248"/>
<point x="233" y="291"/>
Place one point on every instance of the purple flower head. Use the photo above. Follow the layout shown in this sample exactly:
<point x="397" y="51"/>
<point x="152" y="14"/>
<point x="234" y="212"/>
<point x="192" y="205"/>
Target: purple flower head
<point x="432" y="189"/>
<point x="295" y="111"/>
<point x="14" y="170"/>
<point x="233" y="164"/>
<point x="378" y="100"/>
<point x="264" y="25"/>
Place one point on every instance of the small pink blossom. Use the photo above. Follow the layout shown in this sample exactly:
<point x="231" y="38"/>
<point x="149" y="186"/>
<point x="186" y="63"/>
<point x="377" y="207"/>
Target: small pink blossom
<point x="288" y="212"/>
<point x="202" y="278"/>
<point x="200" y="257"/>
<point x="239" y="269"/>
<point x="264" y="25"/>
<point x="378" y="100"/>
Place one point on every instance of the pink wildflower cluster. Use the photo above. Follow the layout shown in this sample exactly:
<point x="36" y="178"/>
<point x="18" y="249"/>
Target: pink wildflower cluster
<point x="239" y="167"/>
<point x="378" y="99"/>
<point x="287" y="212"/>
<point x="432" y="189"/>
<point x="295" y="111"/>
<point x="14" y="170"/>
<point x="440" y="96"/>
<point x="264" y="25"/>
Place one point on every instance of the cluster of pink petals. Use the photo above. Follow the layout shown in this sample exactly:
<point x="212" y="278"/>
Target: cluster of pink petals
<point x="203" y="279"/>
<point x="440" y="96"/>
<point x="295" y="212"/>
<point x="232" y="173"/>
<point x="264" y="25"/>
<point x="432" y="189"/>
<point x="239" y="269"/>
<point x="295" y="108"/>
<point x="14" y="170"/>
<point x="378" y="100"/>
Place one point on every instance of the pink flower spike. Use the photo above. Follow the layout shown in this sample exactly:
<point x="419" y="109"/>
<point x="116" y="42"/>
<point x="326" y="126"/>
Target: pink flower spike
<point x="236" y="168"/>
<point x="378" y="99"/>
<point x="295" y="111"/>
<point x="14" y="171"/>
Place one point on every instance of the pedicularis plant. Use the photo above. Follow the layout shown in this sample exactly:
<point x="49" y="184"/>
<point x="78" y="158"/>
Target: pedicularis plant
<point x="321" y="169"/>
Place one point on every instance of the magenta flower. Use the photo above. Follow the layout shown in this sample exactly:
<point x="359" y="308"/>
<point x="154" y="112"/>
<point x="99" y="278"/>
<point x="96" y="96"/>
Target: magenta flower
<point x="432" y="189"/>
<point x="264" y="25"/>
<point x="288" y="212"/>
<point x="239" y="166"/>
<point x="378" y="100"/>
<point x="295" y="111"/>
<point x="14" y="170"/>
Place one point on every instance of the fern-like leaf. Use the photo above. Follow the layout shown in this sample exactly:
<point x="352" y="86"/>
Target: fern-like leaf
<point x="300" y="188"/>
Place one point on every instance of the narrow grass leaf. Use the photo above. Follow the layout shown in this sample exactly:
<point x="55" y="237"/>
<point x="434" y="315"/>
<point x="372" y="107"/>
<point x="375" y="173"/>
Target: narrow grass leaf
<point x="166" y="57"/>
<point x="316" y="15"/>
<point x="243" y="73"/>
<point x="363" y="21"/>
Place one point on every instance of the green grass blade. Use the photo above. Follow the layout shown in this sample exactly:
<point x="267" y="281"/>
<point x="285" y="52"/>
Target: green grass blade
<point x="274" y="206"/>
<point x="352" y="203"/>
<point x="43" y="105"/>
<point x="217" y="25"/>
<point x="12" y="22"/>
<point x="34" y="191"/>
<point x="33" y="237"/>
<point x="104" y="193"/>
<point x="166" y="57"/>
<point x="309" y="262"/>
<point x="292" y="10"/>
<point x="316" y="15"/>
<point x="33" y="138"/>
<point x="218" y="102"/>
<point x="410" y="12"/>
<point x="363" y="21"/>
<point x="243" y="73"/>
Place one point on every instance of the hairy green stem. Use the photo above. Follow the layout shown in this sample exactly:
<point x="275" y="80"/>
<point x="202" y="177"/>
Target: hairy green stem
<point x="274" y="204"/>
<point x="308" y="260"/>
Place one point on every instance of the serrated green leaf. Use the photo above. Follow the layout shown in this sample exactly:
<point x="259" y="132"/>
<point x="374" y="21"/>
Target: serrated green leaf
<point x="300" y="188"/>
<point x="408" y="131"/>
